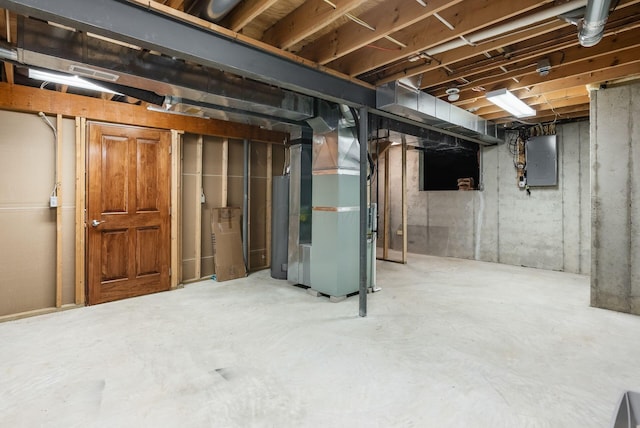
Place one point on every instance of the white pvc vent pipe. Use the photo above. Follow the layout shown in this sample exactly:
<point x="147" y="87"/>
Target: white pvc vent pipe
<point x="514" y="24"/>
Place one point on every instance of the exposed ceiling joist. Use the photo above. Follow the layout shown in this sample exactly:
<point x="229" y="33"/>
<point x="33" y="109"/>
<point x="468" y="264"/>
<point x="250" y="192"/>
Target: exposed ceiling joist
<point x="380" y="41"/>
<point x="386" y="18"/>
<point x="464" y="53"/>
<point x="307" y="19"/>
<point x="540" y="102"/>
<point x="587" y="65"/>
<point x="548" y="110"/>
<point x="130" y="22"/>
<point x="430" y="32"/>
<point x="245" y="12"/>
<point x="559" y="59"/>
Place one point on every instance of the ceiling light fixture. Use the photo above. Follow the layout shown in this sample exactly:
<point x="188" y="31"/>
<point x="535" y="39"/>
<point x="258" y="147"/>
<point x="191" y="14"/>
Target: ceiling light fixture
<point x="422" y="3"/>
<point x="453" y="94"/>
<point x="509" y="102"/>
<point x="65" y="79"/>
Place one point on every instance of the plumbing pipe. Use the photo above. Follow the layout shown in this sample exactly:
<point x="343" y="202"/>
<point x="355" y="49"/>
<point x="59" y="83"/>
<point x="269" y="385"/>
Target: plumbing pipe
<point x="508" y="27"/>
<point x="363" y="133"/>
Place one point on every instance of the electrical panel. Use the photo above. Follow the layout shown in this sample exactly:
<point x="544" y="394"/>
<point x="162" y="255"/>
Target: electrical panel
<point x="542" y="160"/>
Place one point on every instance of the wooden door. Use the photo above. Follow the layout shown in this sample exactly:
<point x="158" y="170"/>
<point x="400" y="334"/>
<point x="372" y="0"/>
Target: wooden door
<point x="127" y="212"/>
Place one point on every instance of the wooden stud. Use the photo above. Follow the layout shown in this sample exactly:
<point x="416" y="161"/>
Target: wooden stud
<point x="176" y="191"/>
<point x="387" y="207"/>
<point x="34" y="100"/>
<point x="58" y="178"/>
<point x="198" y="207"/>
<point x="8" y="71"/>
<point x="268" y="203"/>
<point x="225" y="172"/>
<point x="80" y="250"/>
<point x="404" y="200"/>
<point x="180" y="208"/>
<point x="7" y="18"/>
<point x="249" y="211"/>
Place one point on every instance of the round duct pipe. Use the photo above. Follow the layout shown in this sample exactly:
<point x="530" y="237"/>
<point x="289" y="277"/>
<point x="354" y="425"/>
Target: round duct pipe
<point x="591" y="28"/>
<point x="512" y="25"/>
<point x="212" y="10"/>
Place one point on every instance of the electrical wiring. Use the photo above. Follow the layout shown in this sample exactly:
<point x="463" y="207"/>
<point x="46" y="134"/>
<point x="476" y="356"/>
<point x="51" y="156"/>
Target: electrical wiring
<point x="54" y="192"/>
<point x="552" y="109"/>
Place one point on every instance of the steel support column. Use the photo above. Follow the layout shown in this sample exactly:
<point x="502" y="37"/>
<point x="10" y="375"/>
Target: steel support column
<point x="245" y="202"/>
<point x="363" y="134"/>
<point x="133" y="23"/>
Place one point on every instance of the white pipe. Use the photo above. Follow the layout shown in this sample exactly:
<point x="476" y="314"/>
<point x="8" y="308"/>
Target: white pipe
<point x="591" y="29"/>
<point x="510" y="26"/>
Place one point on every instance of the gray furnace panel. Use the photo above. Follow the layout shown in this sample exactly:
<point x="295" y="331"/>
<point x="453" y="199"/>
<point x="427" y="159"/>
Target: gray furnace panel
<point x="542" y="161"/>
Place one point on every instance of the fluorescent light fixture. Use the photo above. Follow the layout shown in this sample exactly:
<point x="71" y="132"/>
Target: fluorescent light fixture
<point x="422" y="3"/>
<point x="65" y="79"/>
<point x="509" y="102"/>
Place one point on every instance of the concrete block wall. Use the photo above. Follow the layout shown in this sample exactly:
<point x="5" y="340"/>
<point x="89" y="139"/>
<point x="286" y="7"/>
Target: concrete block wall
<point x="549" y="229"/>
<point x="615" y="190"/>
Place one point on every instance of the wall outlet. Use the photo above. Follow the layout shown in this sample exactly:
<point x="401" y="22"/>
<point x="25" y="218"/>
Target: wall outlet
<point x="53" y="201"/>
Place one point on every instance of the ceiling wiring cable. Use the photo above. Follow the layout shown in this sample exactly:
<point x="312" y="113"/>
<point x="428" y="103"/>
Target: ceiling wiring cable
<point x="54" y="192"/>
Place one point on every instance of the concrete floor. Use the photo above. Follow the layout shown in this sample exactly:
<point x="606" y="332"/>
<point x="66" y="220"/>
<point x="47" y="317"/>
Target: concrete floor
<point x="447" y="343"/>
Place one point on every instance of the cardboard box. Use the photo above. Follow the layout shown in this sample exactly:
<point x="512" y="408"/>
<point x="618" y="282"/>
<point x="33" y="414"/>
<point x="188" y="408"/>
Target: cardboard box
<point x="226" y="238"/>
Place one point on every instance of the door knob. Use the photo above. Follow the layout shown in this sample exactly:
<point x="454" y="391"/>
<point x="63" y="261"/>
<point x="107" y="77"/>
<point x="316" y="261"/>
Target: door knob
<point x="96" y="223"/>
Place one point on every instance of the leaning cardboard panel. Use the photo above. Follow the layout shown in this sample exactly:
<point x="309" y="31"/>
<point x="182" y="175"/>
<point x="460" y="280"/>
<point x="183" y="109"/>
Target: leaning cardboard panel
<point x="227" y="243"/>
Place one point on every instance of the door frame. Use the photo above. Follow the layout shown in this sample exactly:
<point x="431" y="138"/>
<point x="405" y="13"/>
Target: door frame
<point x="82" y="167"/>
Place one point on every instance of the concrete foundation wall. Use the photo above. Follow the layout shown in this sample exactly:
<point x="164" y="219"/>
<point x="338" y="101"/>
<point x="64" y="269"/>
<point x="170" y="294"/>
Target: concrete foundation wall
<point x="549" y="229"/>
<point x="615" y="190"/>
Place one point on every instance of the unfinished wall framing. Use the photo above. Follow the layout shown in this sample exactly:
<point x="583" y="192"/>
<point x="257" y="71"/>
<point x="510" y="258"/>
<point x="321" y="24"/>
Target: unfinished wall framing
<point x="392" y="243"/>
<point x="213" y="176"/>
<point x="38" y="242"/>
<point x="44" y="256"/>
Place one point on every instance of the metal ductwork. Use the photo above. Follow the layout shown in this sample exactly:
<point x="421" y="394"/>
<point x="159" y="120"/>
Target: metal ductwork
<point x="591" y="28"/>
<point x="212" y="10"/>
<point x="422" y="107"/>
<point x="225" y="95"/>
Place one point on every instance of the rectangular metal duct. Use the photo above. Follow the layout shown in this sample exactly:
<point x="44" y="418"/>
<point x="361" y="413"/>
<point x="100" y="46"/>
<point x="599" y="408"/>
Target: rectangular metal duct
<point x="422" y="107"/>
<point x="60" y="49"/>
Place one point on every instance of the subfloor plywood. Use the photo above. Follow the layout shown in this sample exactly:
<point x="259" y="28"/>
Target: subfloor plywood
<point x="447" y="342"/>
